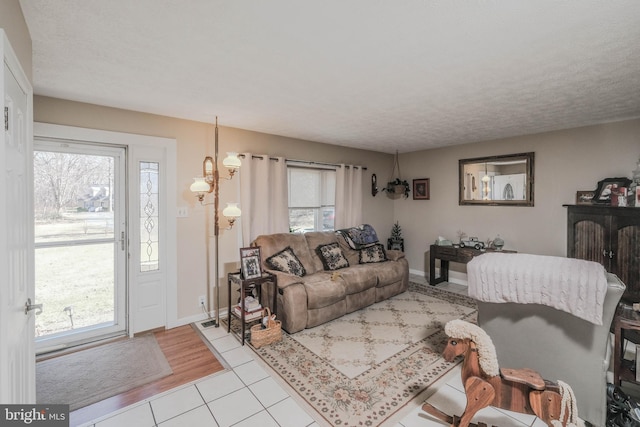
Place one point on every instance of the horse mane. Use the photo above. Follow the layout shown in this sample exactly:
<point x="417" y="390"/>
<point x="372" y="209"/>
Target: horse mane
<point x="486" y="350"/>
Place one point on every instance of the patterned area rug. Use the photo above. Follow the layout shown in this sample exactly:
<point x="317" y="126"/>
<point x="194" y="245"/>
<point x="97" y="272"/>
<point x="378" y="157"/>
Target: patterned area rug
<point x="363" y="368"/>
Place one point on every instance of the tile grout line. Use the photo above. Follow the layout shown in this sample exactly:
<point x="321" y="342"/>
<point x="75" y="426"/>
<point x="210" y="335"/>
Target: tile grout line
<point x="206" y="404"/>
<point x="153" y="415"/>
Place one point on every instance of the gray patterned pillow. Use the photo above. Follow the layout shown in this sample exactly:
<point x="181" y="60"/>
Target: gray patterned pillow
<point x="332" y="256"/>
<point x="373" y="253"/>
<point x="287" y="262"/>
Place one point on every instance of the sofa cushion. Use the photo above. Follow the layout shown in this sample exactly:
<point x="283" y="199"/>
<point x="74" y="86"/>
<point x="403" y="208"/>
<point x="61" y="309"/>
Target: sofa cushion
<point x="322" y="291"/>
<point x="314" y="239"/>
<point x="358" y="278"/>
<point x="373" y="254"/>
<point x="271" y="244"/>
<point x="388" y="272"/>
<point x="332" y="256"/>
<point x="352" y="255"/>
<point x="287" y="262"/>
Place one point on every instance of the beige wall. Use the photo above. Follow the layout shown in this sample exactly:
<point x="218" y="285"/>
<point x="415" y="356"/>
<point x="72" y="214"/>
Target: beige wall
<point x="565" y="161"/>
<point x="194" y="141"/>
<point x="13" y="23"/>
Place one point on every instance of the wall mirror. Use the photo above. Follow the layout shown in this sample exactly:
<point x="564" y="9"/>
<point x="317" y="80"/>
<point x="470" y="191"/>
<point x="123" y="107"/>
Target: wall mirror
<point x="497" y="180"/>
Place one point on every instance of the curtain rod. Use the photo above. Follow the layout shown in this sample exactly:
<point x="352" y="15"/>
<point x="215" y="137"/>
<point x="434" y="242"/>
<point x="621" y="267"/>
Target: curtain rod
<point x="307" y="162"/>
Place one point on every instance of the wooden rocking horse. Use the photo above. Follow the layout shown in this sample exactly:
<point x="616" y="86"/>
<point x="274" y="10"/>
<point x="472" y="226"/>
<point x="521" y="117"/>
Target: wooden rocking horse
<point x="485" y="384"/>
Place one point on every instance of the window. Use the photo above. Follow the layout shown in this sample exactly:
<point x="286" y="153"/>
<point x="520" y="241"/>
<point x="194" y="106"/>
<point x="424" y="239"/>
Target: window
<point x="312" y="195"/>
<point x="149" y="220"/>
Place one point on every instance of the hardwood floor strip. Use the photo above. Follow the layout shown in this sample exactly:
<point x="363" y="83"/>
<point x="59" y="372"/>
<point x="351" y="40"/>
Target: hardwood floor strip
<point x="189" y="357"/>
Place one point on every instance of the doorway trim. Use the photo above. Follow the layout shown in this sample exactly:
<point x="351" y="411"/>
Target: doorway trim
<point x="137" y="145"/>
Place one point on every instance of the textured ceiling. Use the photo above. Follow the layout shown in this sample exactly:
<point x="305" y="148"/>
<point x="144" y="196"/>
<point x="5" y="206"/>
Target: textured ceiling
<point x="388" y="75"/>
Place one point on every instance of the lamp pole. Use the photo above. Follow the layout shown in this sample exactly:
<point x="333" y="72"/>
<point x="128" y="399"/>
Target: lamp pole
<point x="216" y="225"/>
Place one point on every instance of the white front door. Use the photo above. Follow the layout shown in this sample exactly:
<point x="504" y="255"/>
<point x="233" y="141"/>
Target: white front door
<point x="17" y="358"/>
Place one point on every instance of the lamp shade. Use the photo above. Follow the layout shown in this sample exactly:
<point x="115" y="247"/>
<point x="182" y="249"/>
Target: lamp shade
<point x="232" y="211"/>
<point x="232" y="161"/>
<point x="199" y="185"/>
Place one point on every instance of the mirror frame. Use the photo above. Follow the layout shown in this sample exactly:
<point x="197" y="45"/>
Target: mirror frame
<point x="529" y="168"/>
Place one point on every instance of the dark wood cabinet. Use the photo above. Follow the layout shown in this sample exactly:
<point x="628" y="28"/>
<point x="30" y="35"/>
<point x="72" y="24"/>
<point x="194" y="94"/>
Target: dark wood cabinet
<point x="608" y="235"/>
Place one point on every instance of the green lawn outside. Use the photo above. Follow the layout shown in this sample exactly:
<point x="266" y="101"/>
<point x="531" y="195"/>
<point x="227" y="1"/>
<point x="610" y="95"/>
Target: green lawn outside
<point x="80" y="277"/>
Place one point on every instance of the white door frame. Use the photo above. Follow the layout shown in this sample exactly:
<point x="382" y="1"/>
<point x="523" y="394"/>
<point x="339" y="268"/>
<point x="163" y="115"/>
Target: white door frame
<point x="141" y="148"/>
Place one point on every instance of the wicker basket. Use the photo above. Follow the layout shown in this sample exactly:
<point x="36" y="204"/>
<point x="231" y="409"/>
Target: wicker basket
<point x="273" y="333"/>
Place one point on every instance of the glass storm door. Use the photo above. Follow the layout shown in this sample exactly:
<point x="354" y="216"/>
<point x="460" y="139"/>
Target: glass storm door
<point x="80" y="242"/>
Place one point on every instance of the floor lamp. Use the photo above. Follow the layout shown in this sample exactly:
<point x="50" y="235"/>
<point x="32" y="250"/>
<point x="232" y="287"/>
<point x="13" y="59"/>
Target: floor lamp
<point x="209" y="183"/>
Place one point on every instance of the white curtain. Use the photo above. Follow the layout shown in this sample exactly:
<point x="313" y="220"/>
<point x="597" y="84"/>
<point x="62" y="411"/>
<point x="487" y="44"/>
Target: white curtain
<point x="348" y="196"/>
<point x="263" y="196"/>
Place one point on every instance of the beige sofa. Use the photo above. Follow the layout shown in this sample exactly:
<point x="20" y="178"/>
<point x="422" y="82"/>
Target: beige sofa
<point x="322" y="295"/>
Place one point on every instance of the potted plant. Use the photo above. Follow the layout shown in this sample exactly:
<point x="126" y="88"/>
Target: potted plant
<point x="396" y="241"/>
<point x="396" y="187"/>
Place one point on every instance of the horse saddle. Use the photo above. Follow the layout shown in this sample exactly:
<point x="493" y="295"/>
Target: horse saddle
<point x="525" y="376"/>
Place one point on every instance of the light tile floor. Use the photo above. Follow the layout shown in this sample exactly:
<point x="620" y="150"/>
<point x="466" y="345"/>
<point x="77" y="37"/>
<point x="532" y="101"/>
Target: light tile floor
<point x="245" y="395"/>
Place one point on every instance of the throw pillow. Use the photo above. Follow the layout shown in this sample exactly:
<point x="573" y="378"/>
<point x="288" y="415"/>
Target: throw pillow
<point x="373" y="253"/>
<point x="332" y="256"/>
<point x="287" y="262"/>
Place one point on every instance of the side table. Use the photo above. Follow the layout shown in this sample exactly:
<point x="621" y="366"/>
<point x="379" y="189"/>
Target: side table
<point x="625" y="322"/>
<point x="247" y="287"/>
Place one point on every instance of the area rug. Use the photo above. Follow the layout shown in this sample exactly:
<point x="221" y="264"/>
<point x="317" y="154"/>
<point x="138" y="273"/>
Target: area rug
<point x="88" y="376"/>
<point x="365" y="367"/>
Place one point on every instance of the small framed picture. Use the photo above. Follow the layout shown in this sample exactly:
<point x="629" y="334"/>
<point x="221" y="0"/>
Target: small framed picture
<point x="421" y="189"/>
<point x="606" y="187"/>
<point x="250" y="263"/>
<point x="584" y="197"/>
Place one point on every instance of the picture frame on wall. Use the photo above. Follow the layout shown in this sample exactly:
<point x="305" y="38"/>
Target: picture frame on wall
<point x="250" y="263"/>
<point x="421" y="189"/>
<point x="584" y="197"/>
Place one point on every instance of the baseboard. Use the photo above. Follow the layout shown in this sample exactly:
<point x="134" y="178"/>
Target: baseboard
<point x="195" y="318"/>
<point x="458" y="278"/>
<point x="418" y="273"/>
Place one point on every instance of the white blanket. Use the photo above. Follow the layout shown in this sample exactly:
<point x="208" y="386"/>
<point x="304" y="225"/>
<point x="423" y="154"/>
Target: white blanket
<point x="571" y="285"/>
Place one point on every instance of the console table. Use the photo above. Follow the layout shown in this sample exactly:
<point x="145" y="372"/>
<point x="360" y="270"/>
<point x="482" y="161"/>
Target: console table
<point x="451" y="253"/>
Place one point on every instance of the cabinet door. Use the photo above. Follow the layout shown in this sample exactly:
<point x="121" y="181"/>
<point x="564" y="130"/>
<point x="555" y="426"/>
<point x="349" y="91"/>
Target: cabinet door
<point x="625" y="243"/>
<point x="588" y="237"/>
